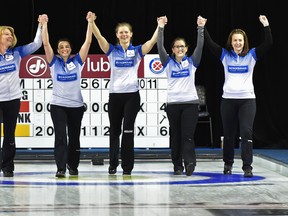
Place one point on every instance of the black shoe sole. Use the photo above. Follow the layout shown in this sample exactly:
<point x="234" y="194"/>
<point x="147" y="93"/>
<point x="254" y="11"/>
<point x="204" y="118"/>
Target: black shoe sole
<point x="112" y="171"/>
<point x="126" y="173"/>
<point x="177" y="172"/>
<point x="227" y="170"/>
<point x="190" y="169"/>
<point x="73" y="172"/>
<point x="60" y="175"/>
<point x="8" y="174"/>
<point x="248" y="174"/>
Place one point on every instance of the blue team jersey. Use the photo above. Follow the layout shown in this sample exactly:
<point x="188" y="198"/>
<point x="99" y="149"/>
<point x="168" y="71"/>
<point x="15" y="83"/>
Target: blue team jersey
<point x="238" y="72"/>
<point x="10" y="68"/>
<point x="181" y="80"/>
<point x="124" y="68"/>
<point x="66" y="79"/>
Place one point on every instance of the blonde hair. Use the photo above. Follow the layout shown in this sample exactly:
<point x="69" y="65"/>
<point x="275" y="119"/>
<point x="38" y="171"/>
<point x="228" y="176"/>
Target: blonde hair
<point x="11" y="29"/>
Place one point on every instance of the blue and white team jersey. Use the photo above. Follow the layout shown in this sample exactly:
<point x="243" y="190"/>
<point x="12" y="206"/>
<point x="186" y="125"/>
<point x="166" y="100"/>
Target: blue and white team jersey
<point x="124" y="68"/>
<point x="10" y="67"/>
<point x="181" y="80"/>
<point x="238" y="74"/>
<point x="66" y="81"/>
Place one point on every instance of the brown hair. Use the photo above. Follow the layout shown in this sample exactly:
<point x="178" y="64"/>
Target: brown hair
<point x="121" y="25"/>
<point x="64" y="40"/>
<point x="246" y="43"/>
<point x="179" y="39"/>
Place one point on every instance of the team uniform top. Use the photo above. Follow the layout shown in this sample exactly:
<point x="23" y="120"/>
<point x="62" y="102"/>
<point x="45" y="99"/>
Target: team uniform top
<point x="10" y="67"/>
<point x="238" y="69"/>
<point x="124" y="68"/>
<point x="238" y="72"/>
<point x="181" y="76"/>
<point x="65" y="91"/>
<point x="181" y="79"/>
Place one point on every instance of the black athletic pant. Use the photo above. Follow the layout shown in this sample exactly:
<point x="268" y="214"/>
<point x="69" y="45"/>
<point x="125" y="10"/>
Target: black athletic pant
<point x="234" y="112"/>
<point x="10" y="111"/>
<point x="67" y="151"/>
<point x="122" y="109"/>
<point x="183" y="121"/>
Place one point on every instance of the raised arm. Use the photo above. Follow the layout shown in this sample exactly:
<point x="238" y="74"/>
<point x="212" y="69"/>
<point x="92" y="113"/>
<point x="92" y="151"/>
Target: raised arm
<point x="160" y="40"/>
<point x="214" y="47"/>
<point x="104" y="45"/>
<point x="38" y="39"/>
<point x="197" y="54"/>
<point x="148" y="45"/>
<point x="37" y="42"/>
<point x="45" y="37"/>
<point x="86" y="45"/>
<point x="268" y="40"/>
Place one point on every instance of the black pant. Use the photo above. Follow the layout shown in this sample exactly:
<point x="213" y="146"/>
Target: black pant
<point x="122" y="107"/>
<point x="10" y="111"/>
<point x="67" y="152"/>
<point x="183" y="121"/>
<point x="234" y="112"/>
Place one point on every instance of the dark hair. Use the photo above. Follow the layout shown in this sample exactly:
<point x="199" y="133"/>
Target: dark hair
<point x="246" y="43"/>
<point x="64" y="39"/>
<point x="177" y="39"/>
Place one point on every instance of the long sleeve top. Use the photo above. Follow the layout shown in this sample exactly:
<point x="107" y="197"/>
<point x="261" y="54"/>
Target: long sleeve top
<point x="238" y="70"/>
<point x="10" y="67"/>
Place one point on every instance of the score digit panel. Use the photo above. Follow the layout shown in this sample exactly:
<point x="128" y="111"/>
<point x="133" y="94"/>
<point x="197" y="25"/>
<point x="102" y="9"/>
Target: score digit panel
<point x="34" y="126"/>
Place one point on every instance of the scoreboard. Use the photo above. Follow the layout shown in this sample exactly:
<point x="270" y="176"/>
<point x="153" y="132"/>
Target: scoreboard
<point x="34" y="125"/>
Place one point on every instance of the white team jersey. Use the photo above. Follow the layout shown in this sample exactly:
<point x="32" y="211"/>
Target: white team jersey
<point x="124" y="68"/>
<point x="238" y="74"/>
<point x="10" y="66"/>
<point x="66" y="81"/>
<point x="181" y="80"/>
